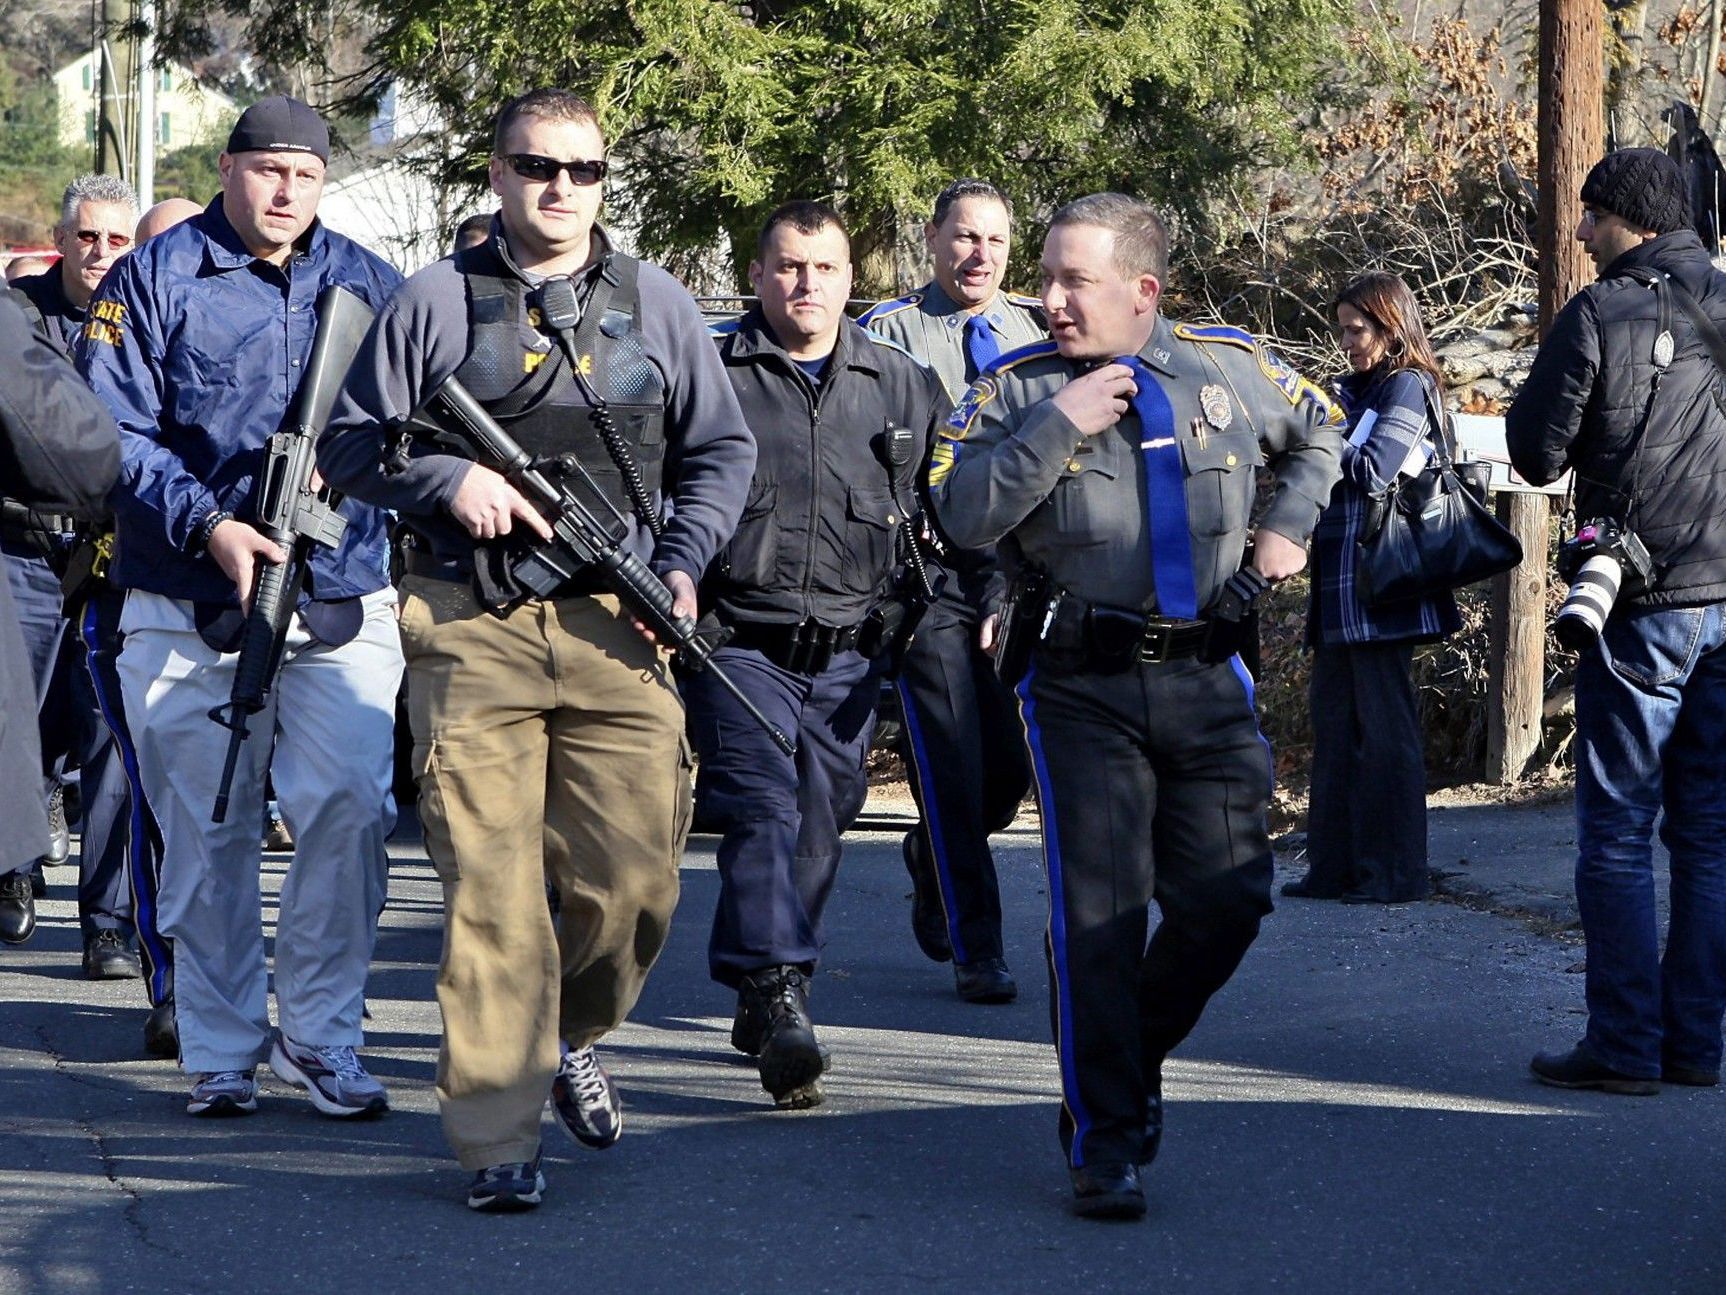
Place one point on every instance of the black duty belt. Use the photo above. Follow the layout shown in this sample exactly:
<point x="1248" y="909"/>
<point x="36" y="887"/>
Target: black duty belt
<point x="40" y="532"/>
<point x="417" y="562"/>
<point x="1093" y="637"/>
<point x="805" y="647"/>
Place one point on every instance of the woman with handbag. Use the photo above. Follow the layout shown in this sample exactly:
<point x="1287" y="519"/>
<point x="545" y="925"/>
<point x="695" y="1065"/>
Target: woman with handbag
<point x="1366" y="816"/>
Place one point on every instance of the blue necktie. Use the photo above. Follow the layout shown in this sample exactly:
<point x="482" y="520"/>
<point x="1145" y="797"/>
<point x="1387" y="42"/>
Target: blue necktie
<point x="981" y="348"/>
<point x="1165" y="495"/>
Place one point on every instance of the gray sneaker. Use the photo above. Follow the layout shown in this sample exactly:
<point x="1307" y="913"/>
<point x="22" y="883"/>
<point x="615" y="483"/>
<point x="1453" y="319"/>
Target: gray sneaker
<point x="585" y="1100"/>
<point x="223" y="1092"/>
<point x="333" y="1078"/>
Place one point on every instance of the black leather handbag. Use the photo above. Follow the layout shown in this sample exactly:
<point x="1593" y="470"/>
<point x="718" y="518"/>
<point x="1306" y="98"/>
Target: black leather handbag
<point x="1432" y="532"/>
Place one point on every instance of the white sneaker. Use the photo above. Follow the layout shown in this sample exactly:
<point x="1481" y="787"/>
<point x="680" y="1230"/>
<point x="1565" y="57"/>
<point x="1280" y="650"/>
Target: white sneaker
<point x="333" y="1078"/>
<point x="223" y="1092"/>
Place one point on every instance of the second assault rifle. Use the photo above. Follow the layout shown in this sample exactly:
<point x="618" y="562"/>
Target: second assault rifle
<point x="581" y="539"/>
<point x="293" y="515"/>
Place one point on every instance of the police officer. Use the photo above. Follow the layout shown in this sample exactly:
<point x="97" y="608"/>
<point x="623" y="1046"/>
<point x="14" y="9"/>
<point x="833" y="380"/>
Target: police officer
<point x="60" y="612"/>
<point x="963" y="740"/>
<point x="548" y="734"/>
<point x="98" y="220"/>
<point x="842" y="418"/>
<point x="197" y="341"/>
<point x="1115" y="465"/>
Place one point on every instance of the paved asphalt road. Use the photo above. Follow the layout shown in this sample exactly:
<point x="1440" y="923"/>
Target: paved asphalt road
<point x="1353" y="1114"/>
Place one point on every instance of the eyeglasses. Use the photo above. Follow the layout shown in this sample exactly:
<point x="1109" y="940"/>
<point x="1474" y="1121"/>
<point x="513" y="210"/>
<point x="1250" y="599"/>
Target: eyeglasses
<point x="90" y="237"/>
<point x="543" y="170"/>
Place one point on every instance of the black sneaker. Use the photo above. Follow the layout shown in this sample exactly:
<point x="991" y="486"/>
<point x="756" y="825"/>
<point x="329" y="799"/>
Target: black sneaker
<point x="507" y="1189"/>
<point x="107" y="956"/>
<point x="1576" y="1069"/>
<point x="585" y="1100"/>
<point x="790" y="1060"/>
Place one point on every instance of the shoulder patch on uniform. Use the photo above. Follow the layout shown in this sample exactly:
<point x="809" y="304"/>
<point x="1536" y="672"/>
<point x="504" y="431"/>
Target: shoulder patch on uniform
<point x="964" y="414"/>
<point x="1029" y="303"/>
<point x="1019" y="354"/>
<point x="1296" y="388"/>
<point x="720" y="329"/>
<point x="1227" y="334"/>
<point x="881" y="309"/>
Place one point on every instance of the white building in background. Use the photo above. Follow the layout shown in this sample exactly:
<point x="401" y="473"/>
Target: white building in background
<point x="378" y="200"/>
<point x="186" y="112"/>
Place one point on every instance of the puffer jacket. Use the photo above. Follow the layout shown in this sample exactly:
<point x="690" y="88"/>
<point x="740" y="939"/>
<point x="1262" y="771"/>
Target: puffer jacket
<point x="1586" y="398"/>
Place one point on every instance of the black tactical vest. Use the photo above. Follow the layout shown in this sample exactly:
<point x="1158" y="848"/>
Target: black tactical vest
<point x="520" y="374"/>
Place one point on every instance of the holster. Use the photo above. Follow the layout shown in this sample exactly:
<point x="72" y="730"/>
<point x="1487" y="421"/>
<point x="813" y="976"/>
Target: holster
<point x="1024" y="613"/>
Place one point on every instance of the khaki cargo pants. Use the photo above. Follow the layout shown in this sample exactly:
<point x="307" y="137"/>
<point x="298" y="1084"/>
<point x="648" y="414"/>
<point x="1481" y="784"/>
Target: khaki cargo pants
<point x="548" y="745"/>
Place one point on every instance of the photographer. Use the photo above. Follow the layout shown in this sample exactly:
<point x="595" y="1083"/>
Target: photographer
<point x="1627" y="392"/>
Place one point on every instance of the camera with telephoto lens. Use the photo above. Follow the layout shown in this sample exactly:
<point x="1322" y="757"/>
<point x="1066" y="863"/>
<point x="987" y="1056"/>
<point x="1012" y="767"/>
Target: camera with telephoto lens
<point x="1603" y="563"/>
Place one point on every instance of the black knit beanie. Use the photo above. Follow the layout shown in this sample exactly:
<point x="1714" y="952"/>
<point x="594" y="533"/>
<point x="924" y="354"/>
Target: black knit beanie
<point x="1642" y="185"/>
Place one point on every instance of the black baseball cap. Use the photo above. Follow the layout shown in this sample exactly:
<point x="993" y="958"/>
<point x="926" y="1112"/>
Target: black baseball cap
<point x="280" y="124"/>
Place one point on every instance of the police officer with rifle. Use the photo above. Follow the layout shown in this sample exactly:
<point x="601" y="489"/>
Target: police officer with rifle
<point x="548" y="735"/>
<point x="200" y="343"/>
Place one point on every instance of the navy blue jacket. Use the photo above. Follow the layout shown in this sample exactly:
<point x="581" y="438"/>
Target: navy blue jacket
<point x="1397" y="401"/>
<point x="198" y="349"/>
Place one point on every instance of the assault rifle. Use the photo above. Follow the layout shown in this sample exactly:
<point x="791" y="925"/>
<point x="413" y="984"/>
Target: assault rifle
<point x="581" y="539"/>
<point x="294" y="516"/>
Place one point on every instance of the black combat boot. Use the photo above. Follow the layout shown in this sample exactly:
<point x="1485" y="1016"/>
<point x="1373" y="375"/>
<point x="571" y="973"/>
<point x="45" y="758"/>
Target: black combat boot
<point x="789" y="1056"/>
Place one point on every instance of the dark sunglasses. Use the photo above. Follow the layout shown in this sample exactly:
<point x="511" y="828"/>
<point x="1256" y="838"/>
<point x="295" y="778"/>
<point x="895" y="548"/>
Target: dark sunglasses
<point x="543" y="170"/>
<point x="90" y="237"/>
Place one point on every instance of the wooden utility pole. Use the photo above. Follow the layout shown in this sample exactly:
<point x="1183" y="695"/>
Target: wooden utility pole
<point x="1572" y="136"/>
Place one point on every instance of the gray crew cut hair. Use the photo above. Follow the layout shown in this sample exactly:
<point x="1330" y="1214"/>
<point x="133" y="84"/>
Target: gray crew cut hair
<point x="92" y="187"/>
<point x="1141" y="238"/>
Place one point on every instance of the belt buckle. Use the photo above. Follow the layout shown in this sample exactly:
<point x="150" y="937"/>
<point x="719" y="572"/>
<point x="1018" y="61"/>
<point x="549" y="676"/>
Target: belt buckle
<point x="1156" y="643"/>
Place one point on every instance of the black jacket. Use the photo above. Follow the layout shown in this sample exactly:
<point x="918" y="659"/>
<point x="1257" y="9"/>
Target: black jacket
<point x="1584" y="403"/>
<point x="817" y="538"/>
<point x="58" y="449"/>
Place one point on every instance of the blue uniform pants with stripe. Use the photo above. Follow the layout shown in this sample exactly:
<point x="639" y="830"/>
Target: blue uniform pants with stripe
<point x="968" y="773"/>
<point x="127" y="826"/>
<point x="1154" y="785"/>
<point x="782" y="816"/>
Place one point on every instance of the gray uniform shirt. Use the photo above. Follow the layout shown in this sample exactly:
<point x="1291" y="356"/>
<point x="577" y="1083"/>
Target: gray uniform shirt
<point x="421" y="337"/>
<point x="931" y="325"/>
<point x="1011" y="467"/>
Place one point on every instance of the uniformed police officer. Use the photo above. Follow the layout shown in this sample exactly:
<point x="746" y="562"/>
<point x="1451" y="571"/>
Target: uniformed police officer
<point x="197" y="341"/>
<point x="548" y="736"/>
<point x="1115" y="465"/>
<point x="842" y="418"/>
<point x="963" y="740"/>
<point x="97" y="216"/>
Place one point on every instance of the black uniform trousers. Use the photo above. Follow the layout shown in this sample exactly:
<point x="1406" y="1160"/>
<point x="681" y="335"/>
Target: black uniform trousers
<point x="781" y="816"/>
<point x="1154" y="784"/>
<point x="966" y="754"/>
<point x="75" y="737"/>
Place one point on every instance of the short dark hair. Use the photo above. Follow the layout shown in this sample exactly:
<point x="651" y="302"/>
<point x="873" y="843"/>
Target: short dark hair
<point x="472" y="231"/>
<point x="967" y="187"/>
<point x="805" y="217"/>
<point x="1141" y="238"/>
<point x="548" y="102"/>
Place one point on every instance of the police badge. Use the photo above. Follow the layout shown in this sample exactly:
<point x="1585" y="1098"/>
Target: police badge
<point x="1214" y="403"/>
